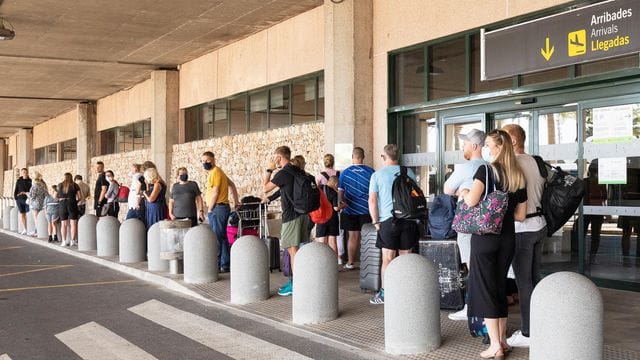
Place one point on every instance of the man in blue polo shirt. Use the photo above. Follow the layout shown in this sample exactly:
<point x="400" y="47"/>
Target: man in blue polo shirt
<point x="353" y="192"/>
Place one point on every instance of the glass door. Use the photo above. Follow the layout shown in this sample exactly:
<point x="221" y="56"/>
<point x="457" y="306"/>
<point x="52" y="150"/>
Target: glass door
<point x="419" y="148"/>
<point x="610" y="229"/>
<point x="451" y="143"/>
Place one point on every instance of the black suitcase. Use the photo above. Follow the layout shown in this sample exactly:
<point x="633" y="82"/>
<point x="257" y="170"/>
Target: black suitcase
<point x="370" y="259"/>
<point x="451" y="275"/>
<point x="273" y="244"/>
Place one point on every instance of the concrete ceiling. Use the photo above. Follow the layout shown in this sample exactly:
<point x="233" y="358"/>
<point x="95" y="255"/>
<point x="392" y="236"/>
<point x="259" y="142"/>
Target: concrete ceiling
<point x="67" y="51"/>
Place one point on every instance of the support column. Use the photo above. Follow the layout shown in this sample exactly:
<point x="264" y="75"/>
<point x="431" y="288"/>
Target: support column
<point x="25" y="145"/>
<point x="3" y="164"/>
<point x="348" y="77"/>
<point x="164" y="121"/>
<point x="87" y="134"/>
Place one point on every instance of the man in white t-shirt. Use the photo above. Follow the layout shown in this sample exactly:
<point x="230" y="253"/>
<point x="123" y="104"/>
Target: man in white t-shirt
<point x="462" y="178"/>
<point x="134" y="201"/>
<point x="530" y="235"/>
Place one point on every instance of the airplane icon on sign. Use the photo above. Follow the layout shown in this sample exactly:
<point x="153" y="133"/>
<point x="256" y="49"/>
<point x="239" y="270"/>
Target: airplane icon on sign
<point x="577" y="43"/>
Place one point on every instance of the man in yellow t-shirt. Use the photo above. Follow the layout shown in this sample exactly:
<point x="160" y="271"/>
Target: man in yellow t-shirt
<point x="217" y="205"/>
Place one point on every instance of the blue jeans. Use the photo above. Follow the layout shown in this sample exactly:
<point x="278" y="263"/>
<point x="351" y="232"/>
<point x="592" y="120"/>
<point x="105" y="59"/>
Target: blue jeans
<point x="218" y="221"/>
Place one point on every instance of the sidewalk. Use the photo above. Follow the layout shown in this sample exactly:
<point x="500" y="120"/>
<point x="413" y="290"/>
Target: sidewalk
<point x="361" y="325"/>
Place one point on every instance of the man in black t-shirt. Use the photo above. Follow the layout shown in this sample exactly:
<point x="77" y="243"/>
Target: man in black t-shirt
<point x="20" y="194"/>
<point x="294" y="225"/>
<point x="100" y="190"/>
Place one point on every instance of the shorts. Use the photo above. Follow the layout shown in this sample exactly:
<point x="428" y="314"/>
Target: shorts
<point x="22" y="205"/>
<point x="330" y="228"/>
<point x="53" y="216"/>
<point x="355" y="222"/>
<point x="398" y="234"/>
<point x="68" y="210"/>
<point x="294" y="232"/>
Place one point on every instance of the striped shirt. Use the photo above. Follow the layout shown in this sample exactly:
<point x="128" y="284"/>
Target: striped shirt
<point x="354" y="181"/>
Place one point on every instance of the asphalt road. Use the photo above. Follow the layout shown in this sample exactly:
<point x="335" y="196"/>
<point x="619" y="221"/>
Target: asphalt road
<point x="44" y="293"/>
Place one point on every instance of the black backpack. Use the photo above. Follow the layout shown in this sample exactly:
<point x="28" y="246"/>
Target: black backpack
<point x="408" y="199"/>
<point x="561" y="196"/>
<point x="441" y="215"/>
<point x="306" y="195"/>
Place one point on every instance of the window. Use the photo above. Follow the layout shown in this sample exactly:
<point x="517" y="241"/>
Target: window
<point x="238" y="115"/>
<point x="304" y="101"/>
<point x="259" y="116"/>
<point x="408" y="72"/>
<point x="279" y="107"/>
<point x="136" y="136"/>
<point x="293" y="102"/>
<point x="602" y="66"/>
<point x="69" y="149"/>
<point x="447" y="62"/>
<point x="51" y="154"/>
<point x="40" y="156"/>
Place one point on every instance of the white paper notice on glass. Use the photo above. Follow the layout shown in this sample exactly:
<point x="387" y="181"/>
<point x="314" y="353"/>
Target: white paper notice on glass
<point x="613" y="123"/>
<point x="343" y="156"/>
<point x="612" y="170"/>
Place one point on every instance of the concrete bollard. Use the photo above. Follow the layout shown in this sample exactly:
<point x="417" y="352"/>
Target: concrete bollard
<point x="133" y="239"/>
<point x="42" y="226"/>
<point x="249" y="279"/>
<point x="568" y="326"/>
<point x="154" y="243"/>
<point x="6" y="217"/>
<point x="14" y="219"/>
<point x="31" y="223"/>
<point x="87" y="237"/>
<point x="200" y="255"/>
<point x="315" y="285"/>
<point x="411" y="306"/>
<point x="107" y="236"/>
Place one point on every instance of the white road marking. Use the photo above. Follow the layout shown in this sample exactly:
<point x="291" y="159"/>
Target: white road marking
<point x="221" y="338"/>
<point x="92" y="341"/>
<point x="4" y="357"/>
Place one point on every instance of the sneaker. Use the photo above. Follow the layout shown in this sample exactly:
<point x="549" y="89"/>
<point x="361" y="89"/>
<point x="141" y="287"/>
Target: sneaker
<point x="339" y="261"/>
<point x="23" y="232"/>
<point x="63" y="243"/>
<point x="286" y="289"/>
<point x="73" y="243"/>
<point x="459" y="315"/>
<point x="518" y="340"/>
<point x="349" y="266"/>
<point x="55" y="238"/>
<point x="31" y="233"/>
<point x="378" y="298"/>
<point x="50" y="238"/>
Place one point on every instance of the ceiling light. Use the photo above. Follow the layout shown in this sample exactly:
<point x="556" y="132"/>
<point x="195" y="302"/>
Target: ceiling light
<point x="6" y="34"/>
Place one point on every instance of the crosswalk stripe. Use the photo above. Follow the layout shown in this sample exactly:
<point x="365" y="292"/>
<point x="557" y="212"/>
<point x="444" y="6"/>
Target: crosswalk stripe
<point x="4" y="357"/>
<point x="92" y="341"/>
<point x="221" y="338"/>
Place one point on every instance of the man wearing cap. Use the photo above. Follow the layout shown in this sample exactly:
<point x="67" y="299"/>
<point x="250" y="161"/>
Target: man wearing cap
<point x="462" y="178"/>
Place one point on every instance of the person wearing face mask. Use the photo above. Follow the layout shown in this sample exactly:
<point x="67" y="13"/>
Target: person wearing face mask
<point x="185" y="200"/>
<point x="462" y="179"/>
<point x="491" y="254"/>
<point x="113" y="207"/>
<point x="218" y="208"/>
<point x="134" y="201"/>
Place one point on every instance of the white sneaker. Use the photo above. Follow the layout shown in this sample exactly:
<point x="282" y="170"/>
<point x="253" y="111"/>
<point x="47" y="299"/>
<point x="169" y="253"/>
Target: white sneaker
<point x="63" y="243"/>
<point x="31" y="233"/>
<point x="74" y="243"/>
<point x="518" y="340"/>
<point x="349" y="266"/>
<point x="339" y="261"/>
<point x="23" y="232"/>
<point x="459" y="315"/>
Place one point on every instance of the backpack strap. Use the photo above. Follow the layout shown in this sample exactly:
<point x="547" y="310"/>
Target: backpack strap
<point x="542" y="166"/>
<point x="325" y="174"/>
<point x="403" y="170"/>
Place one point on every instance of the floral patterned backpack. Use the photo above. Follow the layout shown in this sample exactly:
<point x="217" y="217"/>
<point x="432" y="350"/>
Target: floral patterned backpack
<point x="487" y="216"/>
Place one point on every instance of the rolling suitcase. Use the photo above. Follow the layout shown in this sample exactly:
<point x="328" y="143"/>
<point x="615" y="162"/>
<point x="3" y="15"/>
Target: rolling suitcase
<point x="370" y="259"/>
<point x="272" y="242"/>
<point x="451" y="276"/>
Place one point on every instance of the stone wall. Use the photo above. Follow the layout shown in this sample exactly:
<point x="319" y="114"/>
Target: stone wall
<point x="54" y="173"/>
<point x="244" y="157"/>
<point x="9" y="182"/>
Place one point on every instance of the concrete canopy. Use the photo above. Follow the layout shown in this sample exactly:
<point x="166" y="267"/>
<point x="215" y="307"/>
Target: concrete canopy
<point x="68" y="51"/>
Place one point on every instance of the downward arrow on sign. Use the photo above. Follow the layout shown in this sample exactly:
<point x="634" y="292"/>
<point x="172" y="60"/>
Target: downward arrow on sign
<point x="546" y="52"/>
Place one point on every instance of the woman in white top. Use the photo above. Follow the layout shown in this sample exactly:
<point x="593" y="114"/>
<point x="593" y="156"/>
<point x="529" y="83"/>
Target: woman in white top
<point x="135" y="202"/>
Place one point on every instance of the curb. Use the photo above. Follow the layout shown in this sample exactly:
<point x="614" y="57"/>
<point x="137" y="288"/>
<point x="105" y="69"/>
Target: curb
<point x="183" y="290"/>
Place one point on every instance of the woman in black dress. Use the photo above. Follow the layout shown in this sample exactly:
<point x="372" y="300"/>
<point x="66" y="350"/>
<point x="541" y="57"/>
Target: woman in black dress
<point x="491" y="254"/>
<point x="68" y="195"/>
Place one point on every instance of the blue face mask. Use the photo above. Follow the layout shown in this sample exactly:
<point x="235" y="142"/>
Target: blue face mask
<point x="184" y="177"/>
<point x="207" y="165"/>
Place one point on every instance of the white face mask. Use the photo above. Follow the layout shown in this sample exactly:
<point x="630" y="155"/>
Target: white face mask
<point x="486" y="155"/>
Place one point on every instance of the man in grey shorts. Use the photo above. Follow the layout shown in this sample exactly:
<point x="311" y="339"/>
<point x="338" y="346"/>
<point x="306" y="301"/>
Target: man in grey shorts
<point x="462" y="178"/>
<point x="280" y="174"/>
